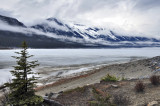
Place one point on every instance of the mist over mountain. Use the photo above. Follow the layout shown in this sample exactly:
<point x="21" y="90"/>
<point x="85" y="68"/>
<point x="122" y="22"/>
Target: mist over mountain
<point x="54" y="33"/>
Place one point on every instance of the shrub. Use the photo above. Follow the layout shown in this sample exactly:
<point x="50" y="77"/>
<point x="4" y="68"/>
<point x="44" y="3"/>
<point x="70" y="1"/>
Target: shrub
<point x="123" y="79"/>
<point x="78" y="89"/>
<point x="101" y="100"/>
<point x="155" y="79"/>
<point x="94" y="90"/>
<point x="109" y="77"/>
<point x="121" y="100"/>
<point x="139" y="87"/>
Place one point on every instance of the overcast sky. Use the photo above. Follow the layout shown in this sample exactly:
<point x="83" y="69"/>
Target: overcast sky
<point x="139" y="15"/>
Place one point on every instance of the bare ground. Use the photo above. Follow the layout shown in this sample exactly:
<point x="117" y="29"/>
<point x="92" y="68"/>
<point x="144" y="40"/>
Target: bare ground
<point x="132" y="70"/>
<point x="126" y="88"/>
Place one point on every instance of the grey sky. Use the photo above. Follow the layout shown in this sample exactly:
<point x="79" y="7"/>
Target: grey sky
<point x="131" y="15"/>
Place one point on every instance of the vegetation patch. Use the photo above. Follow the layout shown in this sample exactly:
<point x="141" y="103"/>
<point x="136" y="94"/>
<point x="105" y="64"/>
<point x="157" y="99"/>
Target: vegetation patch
<point x="110" y="78"/>
<point x="101" y="98"/>
<point x="123" y="79"/>
<point x="120" y="99"/>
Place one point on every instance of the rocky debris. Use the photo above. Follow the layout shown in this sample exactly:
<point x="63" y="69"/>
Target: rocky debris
<point x="60" y="92"/>
<point x="52" y="95"/>
<point x="49" y="99"/>
<point x="153" y="103"/>
<point x="51" y="102"/>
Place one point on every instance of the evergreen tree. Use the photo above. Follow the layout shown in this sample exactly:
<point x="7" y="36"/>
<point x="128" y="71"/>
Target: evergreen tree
<point x="22" y="85"/>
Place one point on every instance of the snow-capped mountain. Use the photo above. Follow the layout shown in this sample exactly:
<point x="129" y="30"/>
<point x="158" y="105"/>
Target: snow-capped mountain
<point x="68" y="34"/>
<point x="93" y="35"/>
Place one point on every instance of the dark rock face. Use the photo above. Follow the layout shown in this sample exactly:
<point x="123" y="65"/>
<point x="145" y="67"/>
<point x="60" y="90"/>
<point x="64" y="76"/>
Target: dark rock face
<point x="51" y="102"/>
<point x="11" y="21"/>
<point x="12" y="39"/>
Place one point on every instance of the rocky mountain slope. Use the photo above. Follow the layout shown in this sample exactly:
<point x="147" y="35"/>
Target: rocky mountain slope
<point x="53" y="33"/>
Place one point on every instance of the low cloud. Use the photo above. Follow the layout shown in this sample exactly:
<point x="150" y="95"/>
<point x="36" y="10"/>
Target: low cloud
<point x="7" y="27"/>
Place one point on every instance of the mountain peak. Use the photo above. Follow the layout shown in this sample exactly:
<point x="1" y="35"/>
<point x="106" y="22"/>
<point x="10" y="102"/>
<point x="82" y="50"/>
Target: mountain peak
<point x="11" y="21"/>
<point x="55" y="20"/>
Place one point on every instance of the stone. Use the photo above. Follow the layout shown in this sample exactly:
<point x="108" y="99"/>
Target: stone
<point x="60" y="92"/>
<point x="153" y="103"/>
<point x="115" y="86"/>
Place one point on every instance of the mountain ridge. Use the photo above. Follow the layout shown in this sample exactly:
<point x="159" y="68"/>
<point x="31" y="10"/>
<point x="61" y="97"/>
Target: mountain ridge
<point x="11" y="21"/>
<point x="71" y="35"/>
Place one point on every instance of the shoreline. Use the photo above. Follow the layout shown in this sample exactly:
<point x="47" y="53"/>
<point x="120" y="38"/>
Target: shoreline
<point x="50" y="75"/>
<point x="73" y="71"/>
<point x="129" y="70"/>
<point x="90" y="70"/>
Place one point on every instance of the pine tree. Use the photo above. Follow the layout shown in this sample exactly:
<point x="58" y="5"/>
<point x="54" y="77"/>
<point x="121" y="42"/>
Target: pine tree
<point x="22" y="85"/>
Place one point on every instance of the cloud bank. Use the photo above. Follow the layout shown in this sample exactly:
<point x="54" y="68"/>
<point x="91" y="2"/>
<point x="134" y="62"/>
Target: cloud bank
<point x="131" y="15"/>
